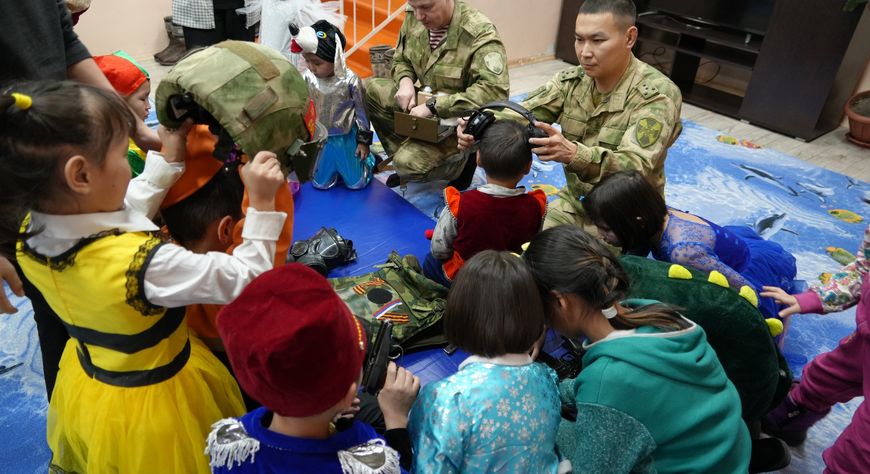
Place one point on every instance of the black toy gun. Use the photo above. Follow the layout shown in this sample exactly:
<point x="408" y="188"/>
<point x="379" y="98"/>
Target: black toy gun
<point x="569" y="364"/>
<point x="377" y="359"/>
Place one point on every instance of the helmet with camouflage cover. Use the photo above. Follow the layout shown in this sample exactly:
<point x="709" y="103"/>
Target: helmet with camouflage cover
<point x="253" y="92"/>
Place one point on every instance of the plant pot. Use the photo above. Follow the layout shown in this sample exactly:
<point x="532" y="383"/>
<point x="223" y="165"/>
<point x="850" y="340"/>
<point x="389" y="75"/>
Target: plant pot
<point x="858" y="112"/>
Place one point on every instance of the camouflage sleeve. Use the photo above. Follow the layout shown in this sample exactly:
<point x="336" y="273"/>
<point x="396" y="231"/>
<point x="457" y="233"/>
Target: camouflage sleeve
<point x="844" y="287"/>
<point x="647" y="136"/>
<point x="546" y="101"/>
<point x="401" y="66"/>
<point x="488" y="77"/>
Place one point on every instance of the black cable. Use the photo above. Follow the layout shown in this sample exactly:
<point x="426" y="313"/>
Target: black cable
<point x="718" y="70"/>
<point x="659" y="51"/>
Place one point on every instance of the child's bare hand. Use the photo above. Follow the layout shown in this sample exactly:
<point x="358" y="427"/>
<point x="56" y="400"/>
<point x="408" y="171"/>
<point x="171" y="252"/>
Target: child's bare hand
<point x="348" y="412"/>
<point x="146" y="138"/>
<point x="362" y="151"/>
<point x="783" y="298"/>
<point x="262" y="177"/>
<point x="10" y="276"/>
<point x="397" y="396"/>
<point x="174" y="141"/>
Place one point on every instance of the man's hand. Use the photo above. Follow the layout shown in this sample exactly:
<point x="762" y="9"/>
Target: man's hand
<point x="783" y="298"/>
<point x="397" y="396"/>
<point x="10" y="276"/>
<point x="175" y="141"/>
<point x="263" y="177"/>
<point x="465" y="141"/>
<point x="555" y="147"/>
<point x="406" y="96"/>
<point x="421" y="111"/>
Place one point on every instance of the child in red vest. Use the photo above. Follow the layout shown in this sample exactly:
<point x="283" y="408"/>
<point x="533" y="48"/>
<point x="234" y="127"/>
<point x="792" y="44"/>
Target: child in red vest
<point x="495" y="216"/>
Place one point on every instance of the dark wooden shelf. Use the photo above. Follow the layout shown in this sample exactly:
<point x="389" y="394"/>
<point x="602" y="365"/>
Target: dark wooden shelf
<point x="713" y="99"/>
<point x="727" y="38"/>
<point x="739" y="59"/>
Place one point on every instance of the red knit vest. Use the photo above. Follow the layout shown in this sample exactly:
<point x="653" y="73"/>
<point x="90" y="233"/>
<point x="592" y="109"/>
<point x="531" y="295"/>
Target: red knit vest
<point x="486" y="222"/>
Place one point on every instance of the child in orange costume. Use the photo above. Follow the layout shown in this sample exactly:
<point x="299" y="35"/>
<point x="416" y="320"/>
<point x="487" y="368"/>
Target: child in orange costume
<point x="222" y="234"/>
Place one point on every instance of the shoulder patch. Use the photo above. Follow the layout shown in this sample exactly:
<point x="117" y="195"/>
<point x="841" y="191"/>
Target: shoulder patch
<point x="229" y="444"/>
<point x="647" y="90"/>
<point x="572" y="73"/>
<point x="494" y="62"/>
<point x="647" y="131"/>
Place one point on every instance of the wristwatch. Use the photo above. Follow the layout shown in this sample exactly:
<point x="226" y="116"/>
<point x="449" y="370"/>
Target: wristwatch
<point x="430" y="103"/>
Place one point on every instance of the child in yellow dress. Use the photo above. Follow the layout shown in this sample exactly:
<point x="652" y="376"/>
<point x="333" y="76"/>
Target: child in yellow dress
<point x="134" y="392"/>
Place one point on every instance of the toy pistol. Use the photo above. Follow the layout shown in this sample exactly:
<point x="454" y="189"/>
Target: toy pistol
<point x="375" y="367"/>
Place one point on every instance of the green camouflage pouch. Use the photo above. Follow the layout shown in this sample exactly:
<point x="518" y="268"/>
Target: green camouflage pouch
<point x="397" y="292"/>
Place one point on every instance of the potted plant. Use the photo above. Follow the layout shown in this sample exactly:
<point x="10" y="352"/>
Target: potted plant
<point x="858" y="112"/>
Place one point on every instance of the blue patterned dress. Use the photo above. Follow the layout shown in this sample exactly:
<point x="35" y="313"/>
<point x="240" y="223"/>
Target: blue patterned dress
<point x="737" y="252"/>
<point x="488" y="417"/>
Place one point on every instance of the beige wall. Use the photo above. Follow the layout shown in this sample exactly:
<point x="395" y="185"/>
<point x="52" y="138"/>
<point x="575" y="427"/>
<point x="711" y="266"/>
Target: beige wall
<point x="864" y="83"/>
<point x="136" y="26"/>
<point x="527" y="28"/>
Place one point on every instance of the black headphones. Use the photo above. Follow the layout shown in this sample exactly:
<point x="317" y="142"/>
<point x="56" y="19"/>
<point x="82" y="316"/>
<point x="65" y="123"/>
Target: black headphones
<point x="481" y="118"/>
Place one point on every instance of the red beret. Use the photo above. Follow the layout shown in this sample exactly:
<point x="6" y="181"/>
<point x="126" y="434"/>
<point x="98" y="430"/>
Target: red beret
<point x="294" y="345"/>
<point x="124" y="75"/>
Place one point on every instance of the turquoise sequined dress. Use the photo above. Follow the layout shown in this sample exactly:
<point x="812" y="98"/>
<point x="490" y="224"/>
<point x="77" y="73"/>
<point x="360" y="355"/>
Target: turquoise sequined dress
<point x="488" y="417"/>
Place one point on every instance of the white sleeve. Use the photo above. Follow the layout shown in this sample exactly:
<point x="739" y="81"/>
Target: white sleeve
<point x="178" y="277"/>
<point x="146" y="191"/>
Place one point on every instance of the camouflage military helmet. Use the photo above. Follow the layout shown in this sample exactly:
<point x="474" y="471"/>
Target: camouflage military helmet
<point x="252" y="91"/>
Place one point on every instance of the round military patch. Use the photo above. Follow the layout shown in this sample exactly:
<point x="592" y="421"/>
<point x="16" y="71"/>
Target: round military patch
<point x="494" y="62"/>
<point x="647" y="131"/>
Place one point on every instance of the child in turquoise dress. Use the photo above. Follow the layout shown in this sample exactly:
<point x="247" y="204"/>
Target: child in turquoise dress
<point x="500" y="412"/>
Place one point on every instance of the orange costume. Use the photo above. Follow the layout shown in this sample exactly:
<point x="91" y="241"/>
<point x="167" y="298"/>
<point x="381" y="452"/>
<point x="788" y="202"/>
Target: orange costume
<point x="200" y="167"/>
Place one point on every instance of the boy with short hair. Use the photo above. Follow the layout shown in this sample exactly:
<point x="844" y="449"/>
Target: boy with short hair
<point x="296" y="348"/>
<point x="495" y="216"/>
<point x="204" y="212"/>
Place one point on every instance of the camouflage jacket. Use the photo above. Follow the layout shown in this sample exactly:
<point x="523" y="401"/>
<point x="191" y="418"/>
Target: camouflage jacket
<point x="470" y="65"/>
<point x="631" y="129"/>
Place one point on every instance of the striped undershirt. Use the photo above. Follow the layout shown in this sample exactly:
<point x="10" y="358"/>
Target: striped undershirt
<point x="436" y="37"/>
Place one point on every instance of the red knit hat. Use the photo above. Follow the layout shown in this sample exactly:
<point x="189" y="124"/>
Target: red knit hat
<point x="294" y="345"/>
<point x="125" y="75"/>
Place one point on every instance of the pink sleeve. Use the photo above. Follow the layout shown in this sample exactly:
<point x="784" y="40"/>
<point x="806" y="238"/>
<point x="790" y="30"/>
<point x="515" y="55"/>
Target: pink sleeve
<point x="809" y="302"/>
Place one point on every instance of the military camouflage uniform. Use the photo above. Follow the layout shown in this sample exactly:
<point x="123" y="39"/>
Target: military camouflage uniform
<point x="630" y="129"/>
<point x="470" y="66"/>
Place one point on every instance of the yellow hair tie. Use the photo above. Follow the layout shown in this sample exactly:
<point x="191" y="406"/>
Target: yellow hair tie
<point x="22" y="101"/>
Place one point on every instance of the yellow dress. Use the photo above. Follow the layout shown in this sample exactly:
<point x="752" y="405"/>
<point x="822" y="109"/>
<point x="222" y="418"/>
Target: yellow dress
<point x="135" y="393"/>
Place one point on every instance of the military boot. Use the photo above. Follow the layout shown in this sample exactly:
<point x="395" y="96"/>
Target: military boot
<point x="790" y="421"/>
<point x="376" y="56"/>
<point x="176" y="48"/>
<point x="388" y="62"/>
